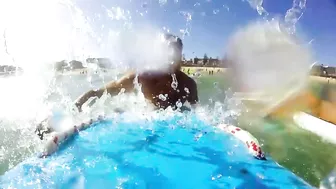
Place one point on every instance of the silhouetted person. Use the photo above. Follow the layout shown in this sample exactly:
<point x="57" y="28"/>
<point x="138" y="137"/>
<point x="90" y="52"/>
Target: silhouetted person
<point x="163" y="88"/>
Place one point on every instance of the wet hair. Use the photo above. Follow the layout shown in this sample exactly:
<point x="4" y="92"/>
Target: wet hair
<point x="174" y="42"/>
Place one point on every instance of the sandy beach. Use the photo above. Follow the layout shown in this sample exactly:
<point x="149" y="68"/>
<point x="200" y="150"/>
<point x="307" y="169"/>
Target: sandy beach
<point x="323" y="79"/>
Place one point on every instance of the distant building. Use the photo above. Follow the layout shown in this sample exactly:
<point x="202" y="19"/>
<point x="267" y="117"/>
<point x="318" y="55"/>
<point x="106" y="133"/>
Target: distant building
<point x="199" y="62"/>
<point x="323" y="71"/>
<point x="331" y="72"/>
<point x="9" y="69"/>
<point x="74" y="65"/>
<point x="213" y="62"/>
<point x="104" y="63"/>
<point x="188" y="62"/>
<point x="66" y="66"/>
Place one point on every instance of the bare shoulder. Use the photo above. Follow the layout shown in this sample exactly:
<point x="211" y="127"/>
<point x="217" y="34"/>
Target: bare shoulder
<point x="128" y="76"/>
<point x="126" y="82"/>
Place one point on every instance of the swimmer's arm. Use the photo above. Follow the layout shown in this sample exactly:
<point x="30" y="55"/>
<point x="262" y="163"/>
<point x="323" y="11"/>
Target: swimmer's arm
<point x="113" y="88"/>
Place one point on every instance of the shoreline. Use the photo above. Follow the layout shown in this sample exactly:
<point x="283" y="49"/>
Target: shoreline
<point x="324" y="80"/>
<point x="192" y="69"/>
<point x="84" y="71"/>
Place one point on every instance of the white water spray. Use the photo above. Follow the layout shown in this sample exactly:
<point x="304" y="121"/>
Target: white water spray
<point x="40" y="32"/>
<point x="269" y="58"/>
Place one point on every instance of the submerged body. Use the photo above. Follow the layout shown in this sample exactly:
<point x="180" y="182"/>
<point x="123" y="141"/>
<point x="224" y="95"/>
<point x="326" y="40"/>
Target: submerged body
<point x="162" y="89"/>
<point x="165" y="88"/>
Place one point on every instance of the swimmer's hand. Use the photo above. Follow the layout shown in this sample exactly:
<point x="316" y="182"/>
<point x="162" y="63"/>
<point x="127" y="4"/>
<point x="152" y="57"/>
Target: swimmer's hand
<point x="86" y="96"/>
<point x="43" y="128"/>
<point x="112" y="88"/>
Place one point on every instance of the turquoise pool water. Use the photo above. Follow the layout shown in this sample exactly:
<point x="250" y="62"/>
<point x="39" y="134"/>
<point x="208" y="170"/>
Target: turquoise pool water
<point x="179" y="151"/>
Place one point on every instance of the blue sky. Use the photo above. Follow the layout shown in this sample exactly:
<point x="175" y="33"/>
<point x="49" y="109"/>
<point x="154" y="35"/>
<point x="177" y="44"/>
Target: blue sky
<point x="211" y="23"/>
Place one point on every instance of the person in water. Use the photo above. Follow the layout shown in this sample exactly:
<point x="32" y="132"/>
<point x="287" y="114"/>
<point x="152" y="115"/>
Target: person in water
<point x="167" y="88"/>
<point x="164" y="88"/>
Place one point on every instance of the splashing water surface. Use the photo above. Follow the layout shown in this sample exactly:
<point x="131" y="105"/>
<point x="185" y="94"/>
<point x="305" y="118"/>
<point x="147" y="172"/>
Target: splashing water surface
<point x="38" y="33"/>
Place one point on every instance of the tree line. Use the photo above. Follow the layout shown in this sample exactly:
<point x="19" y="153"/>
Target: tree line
<point x="204" y="62"/>
<point x="75" y="64"/>
<point x="106" y="63"/>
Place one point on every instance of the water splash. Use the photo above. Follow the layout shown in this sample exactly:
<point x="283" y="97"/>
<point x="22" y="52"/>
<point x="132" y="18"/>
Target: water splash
<point x="174" y="83"/>
<point x="294" y="14"/>
<point x="216" y="11"/>
<point x="257" y="75"/>
<point x="268" y="61"/>
<point x="291" y="17"/>
<point x="197" y="4"/>
<point x="37" y="33"/>
<point x="258" y="5"/>
<point x="162" y="2"/>
<point x="227" y="8"/>
<point x="188" y="17"/>
<point x="66" y="31"/>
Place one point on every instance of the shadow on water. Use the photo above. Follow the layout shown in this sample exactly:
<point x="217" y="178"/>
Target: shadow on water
<point x="224" y="167"/>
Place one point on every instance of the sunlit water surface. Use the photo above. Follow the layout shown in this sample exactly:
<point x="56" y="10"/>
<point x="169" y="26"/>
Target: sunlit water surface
<point x="67" y="30"/>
